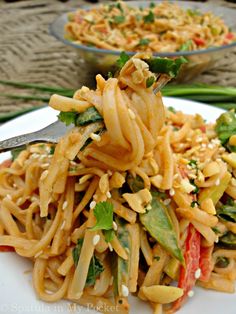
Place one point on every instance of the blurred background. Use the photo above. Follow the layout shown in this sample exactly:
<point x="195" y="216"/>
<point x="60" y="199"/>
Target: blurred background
<point x="28" y="53"/>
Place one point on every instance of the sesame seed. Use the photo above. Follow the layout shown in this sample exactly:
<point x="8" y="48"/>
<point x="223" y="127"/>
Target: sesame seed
<point x="176" y="176"/>
<point x="190" y="293"/>
<point x="63" y="225"/>
<point x="95" y="137"/>
<point x="14" y="185"/>
<point x="124" y="291"/>
<point x="64" y="205"/>
<point x="42" y="157"/>
<point x="110" y="246"/>
<point x="44" y="175"/>
<point x="9" y="197"/>
<point x="217" y="240"/>
<point x="197" y="273"/>
<point x="149" y="207"/>
<point x="203" y="145"/>
<point x="92" y="205"/>
<point x="18" y="202"/>
<point x="211" y="146"/>
<point x="217" y="182"/>
<point x="131" y="114"/>
<point x="33" y="199"/>
<point x="108" y="194"/>
<point x="34" y="155"/>
<point x="172" y="192"/>
<point x="48" y="149"/>
<point x="167" y="201"/>
<point x="114" y="225"/>
<point x="96" y="239"/>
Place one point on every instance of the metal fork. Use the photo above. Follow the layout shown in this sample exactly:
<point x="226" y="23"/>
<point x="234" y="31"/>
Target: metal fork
<point x="50" y="134"/>
<point x="53" y="132"/>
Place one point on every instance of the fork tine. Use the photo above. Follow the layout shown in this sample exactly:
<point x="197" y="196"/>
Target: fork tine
<point x="50" y="134"/>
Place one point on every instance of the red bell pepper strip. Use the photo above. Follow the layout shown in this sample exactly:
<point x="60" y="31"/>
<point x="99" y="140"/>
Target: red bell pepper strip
<point x="4" y="248"/>
<point x="206" y="263"/>
<point x="229" y="36"/>
<point x="199" y="41"/>
<point x="187" y="277"/>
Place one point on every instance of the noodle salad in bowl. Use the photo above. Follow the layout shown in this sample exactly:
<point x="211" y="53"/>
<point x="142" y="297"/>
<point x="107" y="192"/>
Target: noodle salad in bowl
<point x="203" y="33"/>
<point x="135" y="199"/>
<point x="161" y="27"/>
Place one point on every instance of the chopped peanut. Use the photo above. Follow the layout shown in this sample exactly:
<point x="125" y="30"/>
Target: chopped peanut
<point x="137" y="201"/>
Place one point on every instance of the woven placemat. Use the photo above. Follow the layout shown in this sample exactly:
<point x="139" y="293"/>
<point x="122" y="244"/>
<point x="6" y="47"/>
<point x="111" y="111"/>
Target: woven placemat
<point x="28" y="53"/>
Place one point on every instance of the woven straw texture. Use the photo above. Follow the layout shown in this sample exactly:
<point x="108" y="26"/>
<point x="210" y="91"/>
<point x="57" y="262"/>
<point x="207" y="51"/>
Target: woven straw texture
<point x="28" y="53"/>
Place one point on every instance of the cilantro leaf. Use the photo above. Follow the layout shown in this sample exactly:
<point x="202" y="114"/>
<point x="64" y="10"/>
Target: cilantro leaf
<point x="76" y="251"/>
<point x="150" y="80"/>
<point x="103" y="212"/>
<point x="109" y="74"/>
<point x="152" y="5"/>
<point x="167" y="66"/>
<point x="95" y="269"/>
<point x="109" y="235"/>
<point x="149" y="18"/>
<point x="171" y="109"/>
<point x="122" y="59"/>
<point x="196" y="190"/>
<point x="118" y="19"/>
<point x="68" y="117"/>
<point x="193" y="163"/>
<point x="95" y="266"/>
<point x="144" y="41"/>
<point x="90" y="115"/>
<point x="52" y="150"/>
<point x="194" y="203"/>
<point x="15" y="152"/>
<point x="186" y="46"/>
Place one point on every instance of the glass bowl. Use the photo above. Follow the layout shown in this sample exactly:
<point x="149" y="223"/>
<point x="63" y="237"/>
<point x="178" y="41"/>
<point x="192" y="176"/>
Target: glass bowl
<point x="103" y="60"/>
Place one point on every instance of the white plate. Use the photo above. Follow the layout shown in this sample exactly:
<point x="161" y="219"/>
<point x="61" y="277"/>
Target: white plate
<point x="16" y="291"/>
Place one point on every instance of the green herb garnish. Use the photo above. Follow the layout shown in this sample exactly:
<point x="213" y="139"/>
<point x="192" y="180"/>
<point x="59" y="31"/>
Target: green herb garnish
<point x="95" y="266"/>
<point x="196" y="190"/>
<point x="150" y="18"/>
<point x="15" y="152"/>
<point x="150" y="81"/>
<point x="103" y="212"/>
<point x="144" y="42"/>
<point x="118" y="19"/>
<point x="186" y="46"/>
<point x="122" y="59"/>
<point x="68" y="117"/>
<point x="167" y="66"/>
<point x="194" y="203"/>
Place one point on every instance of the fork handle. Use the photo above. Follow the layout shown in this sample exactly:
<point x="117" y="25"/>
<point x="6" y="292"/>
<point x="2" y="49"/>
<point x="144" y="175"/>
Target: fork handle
<point x="16" y="142"/>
